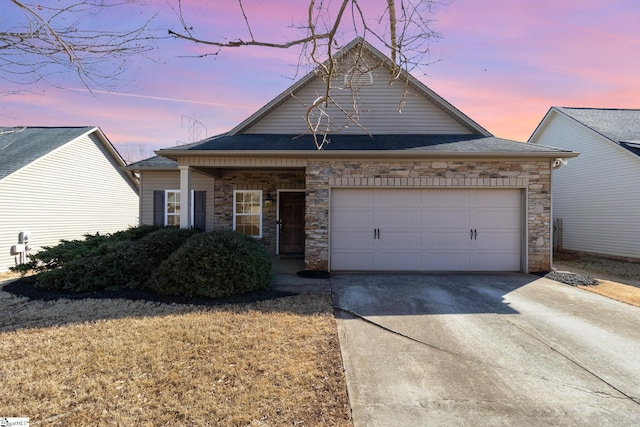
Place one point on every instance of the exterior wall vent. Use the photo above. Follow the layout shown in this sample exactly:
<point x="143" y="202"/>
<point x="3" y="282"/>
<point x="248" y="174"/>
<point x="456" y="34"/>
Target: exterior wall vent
<point x="355" y="79"/>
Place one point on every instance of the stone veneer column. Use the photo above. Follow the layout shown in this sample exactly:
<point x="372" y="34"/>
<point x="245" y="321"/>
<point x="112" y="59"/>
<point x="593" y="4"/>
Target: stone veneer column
<point x="316" y="227"/>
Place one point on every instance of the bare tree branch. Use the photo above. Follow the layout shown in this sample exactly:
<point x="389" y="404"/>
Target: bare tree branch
<point x="46" y="41"/>
<point x="404" y="28"/>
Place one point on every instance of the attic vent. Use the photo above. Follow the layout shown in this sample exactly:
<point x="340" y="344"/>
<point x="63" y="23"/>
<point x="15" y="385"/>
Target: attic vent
<point x="357" y="78"/>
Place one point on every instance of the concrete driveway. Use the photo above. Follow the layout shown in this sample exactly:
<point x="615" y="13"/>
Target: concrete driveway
<point x="485" y="349"/>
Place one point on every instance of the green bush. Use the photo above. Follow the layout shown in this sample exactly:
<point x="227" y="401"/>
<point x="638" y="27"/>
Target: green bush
<point x="53" y="257"/>
<point x="142" y="259"/>
<point x="215" y="264"/>
<point x="123" y="260"/>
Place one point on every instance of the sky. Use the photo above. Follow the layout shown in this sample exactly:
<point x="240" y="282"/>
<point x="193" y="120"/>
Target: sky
<point x="503" y="63"/>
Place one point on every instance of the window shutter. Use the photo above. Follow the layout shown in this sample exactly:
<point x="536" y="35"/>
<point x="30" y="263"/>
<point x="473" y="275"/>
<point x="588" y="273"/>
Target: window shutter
<point x="158" y="207"/>
<point x="199" y="203"/>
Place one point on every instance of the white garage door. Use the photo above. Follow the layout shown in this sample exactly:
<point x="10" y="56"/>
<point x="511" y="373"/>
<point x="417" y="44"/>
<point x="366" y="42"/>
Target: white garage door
<point x="426" y="229"/>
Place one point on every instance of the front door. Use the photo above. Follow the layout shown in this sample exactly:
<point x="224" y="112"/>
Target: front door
<point x="291" y="218"/>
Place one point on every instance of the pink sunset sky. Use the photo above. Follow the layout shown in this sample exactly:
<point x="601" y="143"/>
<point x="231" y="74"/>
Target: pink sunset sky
<point x="504" y="63"/>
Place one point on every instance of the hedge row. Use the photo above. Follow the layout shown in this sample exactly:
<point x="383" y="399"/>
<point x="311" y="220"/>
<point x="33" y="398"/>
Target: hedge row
<point x="168" y="260"/>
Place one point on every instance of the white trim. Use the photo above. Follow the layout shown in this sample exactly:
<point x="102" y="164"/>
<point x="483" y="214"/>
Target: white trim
<point x="235" y="214"/>
<point x="166" y="201"/>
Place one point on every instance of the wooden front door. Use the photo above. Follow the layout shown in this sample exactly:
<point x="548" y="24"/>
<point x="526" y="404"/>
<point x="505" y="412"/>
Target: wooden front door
<point x="291" y="215"/>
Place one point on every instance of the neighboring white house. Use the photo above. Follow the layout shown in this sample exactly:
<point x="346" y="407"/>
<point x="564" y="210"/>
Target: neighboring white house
<point x="61" y="183"/>
<point x="597" y="195"/>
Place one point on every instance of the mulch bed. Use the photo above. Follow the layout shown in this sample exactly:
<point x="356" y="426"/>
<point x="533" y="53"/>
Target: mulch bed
<point x="27" y="287"/>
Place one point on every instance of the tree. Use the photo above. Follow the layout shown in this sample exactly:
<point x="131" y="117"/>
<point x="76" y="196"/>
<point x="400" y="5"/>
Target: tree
<point x="402" y="27"/>
<point x="48" y="41"/>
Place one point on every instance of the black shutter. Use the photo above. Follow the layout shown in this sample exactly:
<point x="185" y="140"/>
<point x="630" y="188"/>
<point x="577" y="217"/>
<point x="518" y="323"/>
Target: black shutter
<point x="199" y="208"/>
<point x="158" y="207"/>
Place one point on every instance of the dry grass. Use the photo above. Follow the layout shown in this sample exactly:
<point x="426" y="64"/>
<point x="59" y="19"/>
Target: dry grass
<point x="619" y="278"/>
<point x="117" y="362"/>
<point x="616" y="291"/>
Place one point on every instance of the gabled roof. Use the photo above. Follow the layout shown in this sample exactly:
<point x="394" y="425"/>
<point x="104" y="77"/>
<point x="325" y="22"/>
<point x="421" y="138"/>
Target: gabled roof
<point x="477" y="143"/>
<point x="621" y="126"/>
<point x="360" y="43"/>
<point x="20" y="146"/>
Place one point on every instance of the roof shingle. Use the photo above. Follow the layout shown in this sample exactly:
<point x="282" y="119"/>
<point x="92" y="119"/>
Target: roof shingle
<point x="21" y="146"/>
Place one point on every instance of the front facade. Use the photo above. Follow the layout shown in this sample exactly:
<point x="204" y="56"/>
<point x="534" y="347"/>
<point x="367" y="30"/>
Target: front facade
<point x="421" y="190"/>
<point x="597" y="196"/>
<point x="60" y="183"/>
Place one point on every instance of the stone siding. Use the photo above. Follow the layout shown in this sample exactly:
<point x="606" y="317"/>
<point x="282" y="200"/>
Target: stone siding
<point x="268" y="182"/>
<point x="534" y="176"/>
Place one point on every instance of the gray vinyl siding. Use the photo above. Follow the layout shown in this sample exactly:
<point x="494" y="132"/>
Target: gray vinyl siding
<point x="378" y="110"/>
<point x="596" y="194"/>
<point x="74" y="190"/>
<point x="170" y="180"/>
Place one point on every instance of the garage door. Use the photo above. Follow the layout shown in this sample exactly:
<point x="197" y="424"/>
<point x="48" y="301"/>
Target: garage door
<point x="426" y="229"/>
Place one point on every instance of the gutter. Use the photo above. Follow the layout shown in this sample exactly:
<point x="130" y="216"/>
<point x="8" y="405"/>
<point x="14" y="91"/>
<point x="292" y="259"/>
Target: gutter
<point x="391" y="154"/>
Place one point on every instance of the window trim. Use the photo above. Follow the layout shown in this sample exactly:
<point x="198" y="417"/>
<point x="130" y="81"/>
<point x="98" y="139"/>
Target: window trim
<point x="166" y="206"/>
<point x="236" y="214"/>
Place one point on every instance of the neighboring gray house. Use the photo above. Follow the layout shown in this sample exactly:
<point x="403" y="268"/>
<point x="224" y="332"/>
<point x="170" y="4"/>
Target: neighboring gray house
<point x="424" y="189"/>
<point x="61" y="183"/>
<point x="597" y="196"/>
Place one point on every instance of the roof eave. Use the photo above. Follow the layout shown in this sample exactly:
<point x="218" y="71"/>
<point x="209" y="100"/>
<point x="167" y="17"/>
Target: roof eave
<point x="150" y="168"/>
<point x="541" y="125"/>
<point x="174" y="155"/>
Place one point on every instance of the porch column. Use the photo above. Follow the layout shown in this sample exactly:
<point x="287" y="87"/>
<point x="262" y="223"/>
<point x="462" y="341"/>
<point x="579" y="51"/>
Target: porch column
<point x="185" y="197"/>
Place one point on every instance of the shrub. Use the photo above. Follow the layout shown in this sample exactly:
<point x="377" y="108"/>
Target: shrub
<point x="215" y="264"/>
<point x="120" y="260"/>
<point x="145" y="256"/>
<point x="54" y="257"/>
<point x="135" y="233"/>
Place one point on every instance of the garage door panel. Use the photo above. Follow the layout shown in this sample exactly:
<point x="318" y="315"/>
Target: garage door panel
<point x="352" y="260"/>
<point x="399" y="218"/>
<point x="406" y="199"/>
<point x="504" y="198"/>
<point x="353" y="217"/>
<point x="495" y="261"/>
<point x="361" y="197"/>
<point x="449" y="198"/>
<point x="448" y="239"/>
<point x="353" y="239"/>
<point x="400" y="239"/>
<point x="403" y="261"/>
<point x="447" y="261"/>
<point x="426" y="229"/>
<point x="507" y="241"/>
<point x="504" y="218"/>
<point x="440" y="218"/>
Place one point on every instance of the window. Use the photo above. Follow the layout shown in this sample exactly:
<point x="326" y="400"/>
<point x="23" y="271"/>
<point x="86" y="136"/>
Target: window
<point x="172" y="207"/>
<point x="247" y="212"/>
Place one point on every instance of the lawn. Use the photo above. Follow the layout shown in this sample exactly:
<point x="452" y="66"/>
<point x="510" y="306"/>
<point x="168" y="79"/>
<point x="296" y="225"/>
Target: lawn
<point x="121" y="362"/>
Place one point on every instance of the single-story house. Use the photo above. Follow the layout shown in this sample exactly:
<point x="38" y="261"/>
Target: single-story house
<point x="60" y="183"/>
<point x="419" y="188"/>
<point x="597" y="197"/>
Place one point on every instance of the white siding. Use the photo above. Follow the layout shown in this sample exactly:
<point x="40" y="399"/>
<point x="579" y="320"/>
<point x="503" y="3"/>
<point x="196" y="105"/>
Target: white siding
<point x="596" y="194"/>
<point x="378" y="110"/>
<point x="74" y="190"/>
<point x="170" y="180"/>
